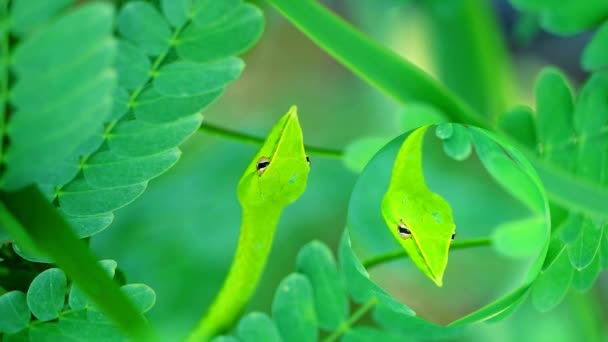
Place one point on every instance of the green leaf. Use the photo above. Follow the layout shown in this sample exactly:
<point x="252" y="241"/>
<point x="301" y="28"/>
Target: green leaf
<point x="176" y="11"/>
<point x="14" y="312"/>
<point x="141" y="23"/>
<point x="316" y="262"/>
<point x="81" y="199"/>
<point x="107" y="170"/>
<point x="573" y="16"/>
<point x="584" y="279"/>
<point x="152" y="107"/>
<point x="552" y="284"/>
<point x="595" y="55"/>
<point x="507" y="173"/>
<point x="132" y="65"/>
<point x="519" y="123"/>
<point x="570" y="229"/>
<point x="71" y="254"/>
<point x="413" y="326"/>
<point x="586" y="246"/>
<point x="231" y="36"/>
<point x="210" y="12"/>
<point x="63" y="116"/>
<point x="151" y="138"/>
<point x="458" y="144"/>
<point x="521" y="239"/>
<point x="141" y="295"/>
<point x="359" y="152"/>
<point x="444" y="131"/>
<point x="554" y="108"/>
<point x="361" y="288"/>
<point x="257" y="326"/>
<point x="374" y="63"/>
<point x="77" y="298"/>
<point x="293" y="309"/>
<point x="46" y="294"/>
<point x="184" y="79"/>
<point x="28" y="15"/>
<point x="366" y="334"/>
<point x="85" y="226"/>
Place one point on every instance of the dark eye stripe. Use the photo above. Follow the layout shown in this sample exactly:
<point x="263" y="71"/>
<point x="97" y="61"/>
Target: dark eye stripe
<point x="263" y="164"/>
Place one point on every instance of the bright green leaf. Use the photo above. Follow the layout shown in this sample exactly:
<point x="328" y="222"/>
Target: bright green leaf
<point x="595" y="55"/>
<point x="72" y="114"/>
<point x="141" y="23"/>
<point x="151" y="138"/>
<point x="230" y="37"/>
<point x="81" y="199"/>
<point x="552" y="284"/>
<point x="107" y="170"/>
<point x="521" y="238"/>
<point x="458" y="145"/>
<point x="583" y="250"/>
<point x="132" y="65"/>
<point x="14" y="312"/>
<point x="46" y="294"/>
<point x="316" y="262"/>
<point x="293" y="309"/>
<point x="85" y="226"/>
<point x="142" y="296"/>
<point x="27" y="15"/>
<point x="210" y="12"/>
<point x="176" y="11"/>
<point x="185" y="79"/>
<point x="507" y="173"/>
<point x="584" y="279"/>
<point x="257" y="326"/>
<point x="554" y="109"/>
<point x="155" y="108"/>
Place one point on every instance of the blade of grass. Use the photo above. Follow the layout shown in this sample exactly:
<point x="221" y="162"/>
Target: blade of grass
<point x="379" y="66"/>
<point x="28" y="216"/>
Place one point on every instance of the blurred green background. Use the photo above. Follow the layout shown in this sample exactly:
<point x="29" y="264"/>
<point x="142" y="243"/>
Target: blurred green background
<point x="179" y="237"/>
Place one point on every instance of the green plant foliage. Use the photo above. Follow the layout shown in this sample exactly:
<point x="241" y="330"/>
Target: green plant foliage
<point x="123" y="127"/>
<point x="49" y="74"/>
<point x="293" y="309"/>
<point x="566" y="17"/>
<point x="569" y="134"/>
<point x="55" y="318"/>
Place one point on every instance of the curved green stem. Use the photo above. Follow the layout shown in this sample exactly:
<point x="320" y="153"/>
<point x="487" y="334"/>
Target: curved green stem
<point x="255" y="140"/>
<point x="255" y="240"/>
<point x="398" y="254"/>
<point x="363" y="309"/>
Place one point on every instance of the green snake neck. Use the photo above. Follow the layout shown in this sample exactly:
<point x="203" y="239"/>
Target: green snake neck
<point x="255" y="241"/>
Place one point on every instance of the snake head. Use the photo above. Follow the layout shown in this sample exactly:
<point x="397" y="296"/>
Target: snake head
<point x="423" y="225"/>
<point x="279" y="171"/>
<point x="420" y="220"/>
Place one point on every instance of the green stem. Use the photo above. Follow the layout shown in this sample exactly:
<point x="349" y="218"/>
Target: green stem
<point x="356" y="316"/>
<point x="398" y="254"/>
<point x="255" y="140"/>
<point x="47" y="231"/>
<point x="379" y="66"/>
<point x="255" y="241"/>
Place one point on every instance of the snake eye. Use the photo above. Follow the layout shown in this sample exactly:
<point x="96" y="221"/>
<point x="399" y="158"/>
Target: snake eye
<point x="453" y="235"/>
<point x="262" y="164"/>
<point x="403" y="231"/>
<point x="308" y="160"/>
